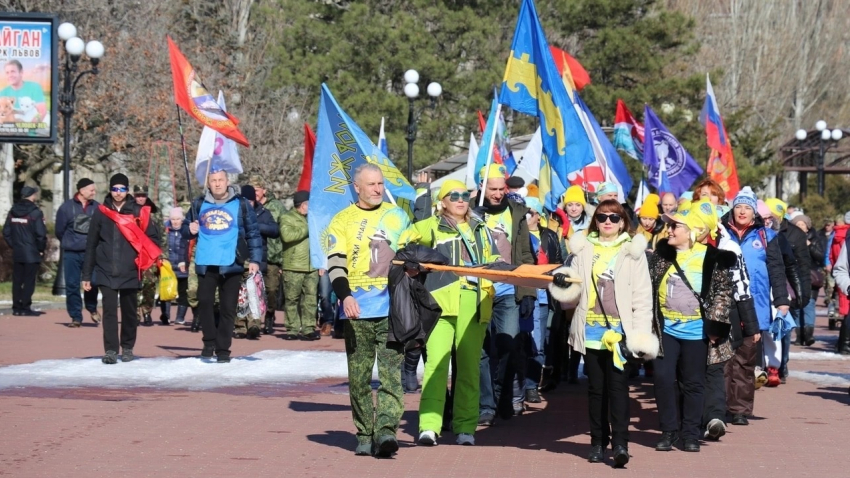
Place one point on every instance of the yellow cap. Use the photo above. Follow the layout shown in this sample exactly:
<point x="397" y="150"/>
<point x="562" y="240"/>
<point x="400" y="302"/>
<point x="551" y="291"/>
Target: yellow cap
<point x="574" y="194"/>
<point x="449" y="186"/>
<point x="777" y="207"/>
<point x="493" y="171"/>
<point x="703" y="216"/>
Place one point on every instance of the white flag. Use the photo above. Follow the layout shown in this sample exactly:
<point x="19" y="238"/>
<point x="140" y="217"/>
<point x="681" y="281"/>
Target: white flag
<point x="215" y="148"/>
<point x="533" y="154"/>
<point x="470" y="162"/>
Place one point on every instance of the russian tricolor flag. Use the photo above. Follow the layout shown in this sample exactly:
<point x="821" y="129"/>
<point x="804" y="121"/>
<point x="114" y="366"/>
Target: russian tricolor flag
<point x="721" y="163"/>
<point x="382" y="140"/>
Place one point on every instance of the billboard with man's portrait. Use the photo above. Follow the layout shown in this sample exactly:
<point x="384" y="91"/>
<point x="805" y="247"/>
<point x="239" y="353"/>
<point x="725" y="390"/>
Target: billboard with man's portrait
<point x="28" y="77"/>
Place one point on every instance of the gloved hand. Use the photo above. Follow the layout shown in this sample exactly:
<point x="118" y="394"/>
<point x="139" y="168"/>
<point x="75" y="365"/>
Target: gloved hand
<point x="560" y="280"/>
<point x="413" y="269"/>
<point x="526" y="306"/>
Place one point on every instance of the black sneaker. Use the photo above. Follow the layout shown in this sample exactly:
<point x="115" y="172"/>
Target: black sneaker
<point x="532" y="396"/>
<point x="621" y="456"/>
<point x="691" y="445"/>
<point x="739" y="420"/>
<point x="310" y="336"/>
<point x="253" y="333"/>
<point x="667" y="441"/>
<point x="148" y="320"/>
<point x="363" y="449"/>
<point x="386" y="446"/>
<point x="596" y="455"/>
<point x="289" y="337"/>
<point x="208" y="351"/>
<point x="222" y="359"/>
<point x="127" y="355"/>
<point x="110" y="358"/>
<point x="30" y="313"/>
<point x="486" y="419"/>
<point x="164" y="319"/>
<point x="239" y="335"/>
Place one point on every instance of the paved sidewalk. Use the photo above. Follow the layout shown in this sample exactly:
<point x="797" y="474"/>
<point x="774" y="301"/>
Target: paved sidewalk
<point x="305" y="430"/>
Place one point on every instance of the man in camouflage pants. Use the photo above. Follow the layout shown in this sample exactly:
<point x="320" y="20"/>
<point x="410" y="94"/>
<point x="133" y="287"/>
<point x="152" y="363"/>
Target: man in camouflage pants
<point x="358" y="265"/>
<point x="147" y="294"/>
<point x="271" y="277"/>
<point x="300" y="279"/>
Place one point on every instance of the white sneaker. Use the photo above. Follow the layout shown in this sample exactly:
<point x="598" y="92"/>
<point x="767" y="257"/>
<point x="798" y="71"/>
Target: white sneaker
<point x="466" y="439"/>
<point x="428" y="438"/>
<point x="760" y="377"/>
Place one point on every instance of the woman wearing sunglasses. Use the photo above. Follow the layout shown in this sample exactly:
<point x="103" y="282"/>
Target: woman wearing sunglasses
<point x="464" y="238"/>
<point x="692" y="292"/>
<point x="612" y="300"/>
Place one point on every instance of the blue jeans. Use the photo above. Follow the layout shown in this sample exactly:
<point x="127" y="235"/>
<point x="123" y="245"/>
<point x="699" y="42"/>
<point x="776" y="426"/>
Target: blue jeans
<point x="325" y="299"/>
<point x="498" y="370"/>
<point x="537" y="357"/>
<point x="809" y="310"/>
<point x="72" y="264"/>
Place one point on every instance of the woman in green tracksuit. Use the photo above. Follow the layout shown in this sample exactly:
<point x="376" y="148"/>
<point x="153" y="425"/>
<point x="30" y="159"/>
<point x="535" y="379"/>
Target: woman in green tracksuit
<point x="467" y="304"/>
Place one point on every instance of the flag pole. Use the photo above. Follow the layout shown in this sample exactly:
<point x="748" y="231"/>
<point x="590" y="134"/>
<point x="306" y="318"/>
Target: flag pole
<point x="183" y="146"/>
<point x="490" y="144"/>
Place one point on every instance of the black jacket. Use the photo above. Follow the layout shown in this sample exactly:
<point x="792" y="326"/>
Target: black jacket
<point x="110" y="254"/>
<point x="797" y="238"/>
<point x="25" y="232"/>
<point x="793" y="277"/>
<point x="413" y="311"/>
<point x="716" y="290"/>
<point x="72" y="240"/>
<point x="268" y="228"/>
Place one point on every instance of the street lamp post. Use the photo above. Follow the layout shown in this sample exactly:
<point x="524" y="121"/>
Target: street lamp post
<point x="825" y="136"/>
<point x="74" y="49"/>
<point x="411" y="90"/>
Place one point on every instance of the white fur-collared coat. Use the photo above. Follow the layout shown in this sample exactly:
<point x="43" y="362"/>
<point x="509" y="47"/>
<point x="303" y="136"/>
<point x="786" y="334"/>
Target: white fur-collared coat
<point x="632" y="292"/>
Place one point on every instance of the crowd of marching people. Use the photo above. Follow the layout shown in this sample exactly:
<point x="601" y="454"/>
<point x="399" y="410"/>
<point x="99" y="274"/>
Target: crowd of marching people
<point x="701" y="293"/>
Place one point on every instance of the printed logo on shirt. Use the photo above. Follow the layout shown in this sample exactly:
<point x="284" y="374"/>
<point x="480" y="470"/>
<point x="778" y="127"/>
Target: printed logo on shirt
<point x="757" y="244"/>
<point x="216" y="221"/>
<point x="20" y="220"/>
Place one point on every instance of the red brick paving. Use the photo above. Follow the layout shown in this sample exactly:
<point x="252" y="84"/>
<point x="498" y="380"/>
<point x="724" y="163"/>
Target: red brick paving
<point x="306" y="430"/>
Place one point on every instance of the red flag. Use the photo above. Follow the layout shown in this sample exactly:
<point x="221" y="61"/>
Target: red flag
<point x="309" y="150"/>
<point x="133" y="230"/>
<point x="482" y="123"/>
<point x="722" y="169"/>
<point x="563" y="59"/>
<point x="191" y="95"/>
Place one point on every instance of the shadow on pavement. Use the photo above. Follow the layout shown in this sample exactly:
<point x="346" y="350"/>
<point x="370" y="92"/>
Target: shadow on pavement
<point x="839" y="394"/>
<point x="317" y="407"/>
<point x="566" y="409"/>
<point x="337" y="438"/>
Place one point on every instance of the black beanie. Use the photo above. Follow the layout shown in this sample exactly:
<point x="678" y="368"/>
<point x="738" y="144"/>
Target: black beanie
<point x="119" y="179"/>
<point x="83" y="183"/>
<point x="300" y="197"/>
<point x="249" y="193"/>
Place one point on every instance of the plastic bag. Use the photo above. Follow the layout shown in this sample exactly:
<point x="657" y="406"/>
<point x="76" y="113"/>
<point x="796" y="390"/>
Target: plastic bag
<point x="167" y="282"/>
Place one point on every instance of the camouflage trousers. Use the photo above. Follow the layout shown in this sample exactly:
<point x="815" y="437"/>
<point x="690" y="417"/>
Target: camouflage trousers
<point x="301" y="290"/>
<point x="365" y="339"/>
<point x="242" y="324"/>
<point x="272" y="281"/>
<point x="147" y="294"/>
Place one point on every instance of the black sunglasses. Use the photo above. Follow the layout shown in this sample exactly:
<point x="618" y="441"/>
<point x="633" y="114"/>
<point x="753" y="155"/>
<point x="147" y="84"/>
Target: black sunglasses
<point x="674" y="225"/>
<point x="456" y="196"/>
<point x="601" y="218"/>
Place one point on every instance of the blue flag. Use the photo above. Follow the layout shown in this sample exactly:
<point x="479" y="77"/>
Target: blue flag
<point x="486" y="146"/>
<point x="615" y="169"/>
<point x="341" y="146"/>
<point x="671" y="168"/>
<point x="533" y="86"/>
<point x="510" y="163"/>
